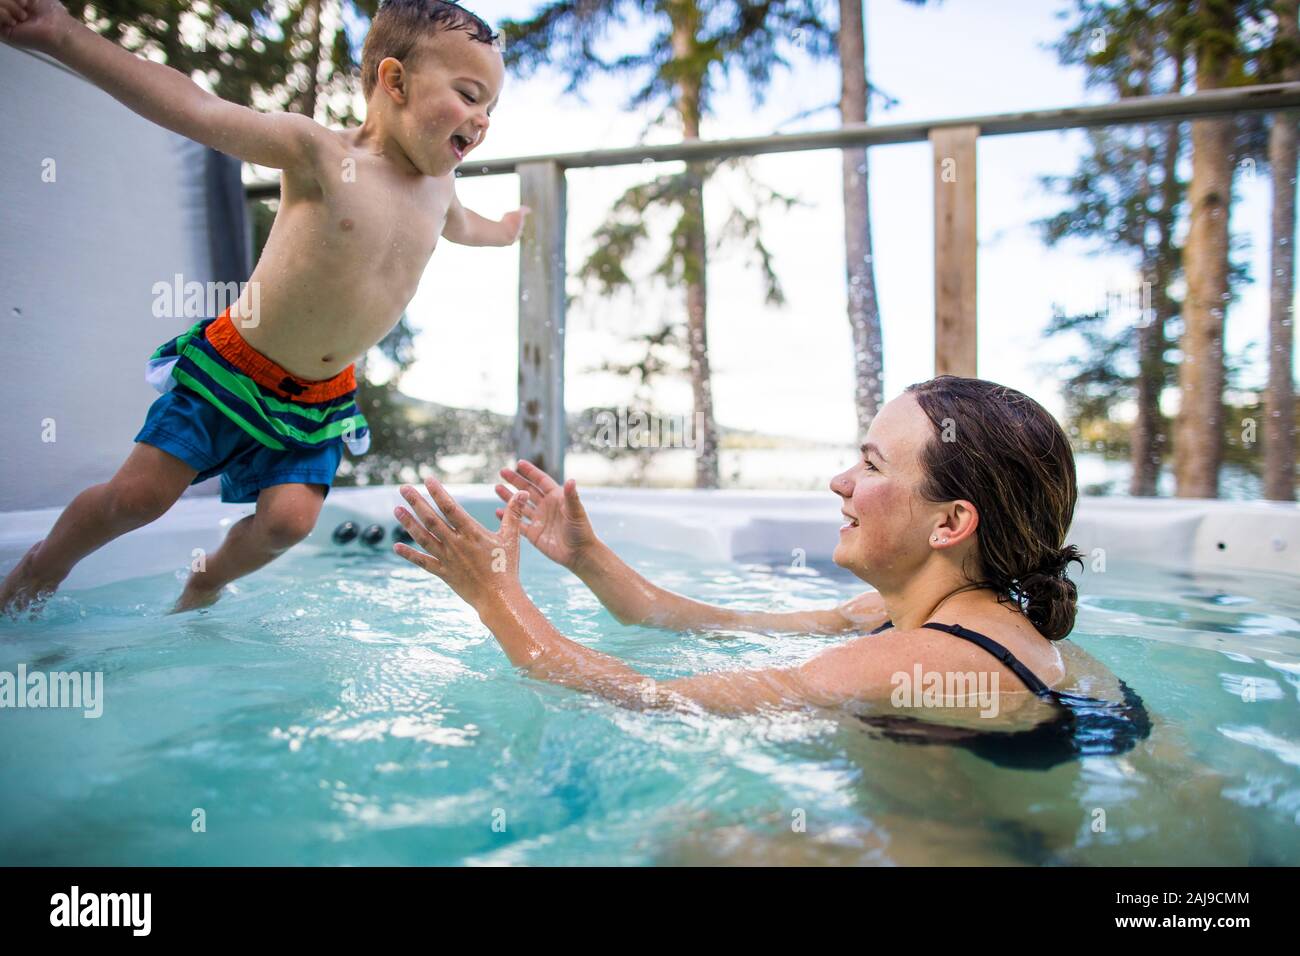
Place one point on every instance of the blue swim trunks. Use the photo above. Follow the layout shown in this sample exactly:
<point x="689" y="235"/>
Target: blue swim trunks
<point x="229" y="410"/>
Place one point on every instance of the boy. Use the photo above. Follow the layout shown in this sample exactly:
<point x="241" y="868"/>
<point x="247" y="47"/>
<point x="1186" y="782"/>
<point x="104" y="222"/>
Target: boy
<point x="264" y="394"/>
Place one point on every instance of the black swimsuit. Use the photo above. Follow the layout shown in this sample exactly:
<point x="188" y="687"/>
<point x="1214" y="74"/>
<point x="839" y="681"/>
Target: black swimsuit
<point x="1083" y="727"/>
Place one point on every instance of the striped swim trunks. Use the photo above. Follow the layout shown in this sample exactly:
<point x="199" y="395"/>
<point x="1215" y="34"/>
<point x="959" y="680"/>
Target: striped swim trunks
<point x="227" y="409"/>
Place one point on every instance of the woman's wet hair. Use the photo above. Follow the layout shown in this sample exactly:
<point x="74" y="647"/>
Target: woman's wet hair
<point x="1000" y="450"/>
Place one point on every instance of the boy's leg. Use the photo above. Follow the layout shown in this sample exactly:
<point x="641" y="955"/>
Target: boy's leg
<point x="285" y="515"/>
<point x="144" y="488"/>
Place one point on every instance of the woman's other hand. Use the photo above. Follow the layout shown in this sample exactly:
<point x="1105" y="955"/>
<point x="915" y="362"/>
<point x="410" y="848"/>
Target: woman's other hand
<point x="554" y="519"/>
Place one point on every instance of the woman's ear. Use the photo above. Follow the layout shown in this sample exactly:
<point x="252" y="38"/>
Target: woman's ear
<point x="957" y="524"/>
<point x="392" y="78"/>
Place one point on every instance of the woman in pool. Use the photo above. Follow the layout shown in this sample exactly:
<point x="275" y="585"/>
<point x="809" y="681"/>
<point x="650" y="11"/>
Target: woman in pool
<point x="956" y="514"/>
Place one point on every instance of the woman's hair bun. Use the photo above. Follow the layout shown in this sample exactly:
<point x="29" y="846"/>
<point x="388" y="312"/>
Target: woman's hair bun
<point x="1048" y="596"/>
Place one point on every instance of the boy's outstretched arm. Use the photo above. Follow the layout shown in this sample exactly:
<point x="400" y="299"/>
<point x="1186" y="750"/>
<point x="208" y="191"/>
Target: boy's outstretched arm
<point x="467" y="228"/>
<point x="159" y="93"/>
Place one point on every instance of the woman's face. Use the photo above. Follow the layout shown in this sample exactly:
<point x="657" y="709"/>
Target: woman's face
<point x="890" y="539"/>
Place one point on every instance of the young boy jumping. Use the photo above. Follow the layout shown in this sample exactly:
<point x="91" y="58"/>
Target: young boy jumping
<point x="264" y="394"/>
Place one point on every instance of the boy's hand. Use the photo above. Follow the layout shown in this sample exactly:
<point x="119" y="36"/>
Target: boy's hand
<point x="467" y="228"/>
<point x="35" y="24"/>
<point x="512" y="222"/>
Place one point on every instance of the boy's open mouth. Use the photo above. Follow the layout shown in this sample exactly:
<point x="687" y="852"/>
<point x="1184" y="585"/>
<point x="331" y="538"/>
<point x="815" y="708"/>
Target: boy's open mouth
<point x="459" y="144"/>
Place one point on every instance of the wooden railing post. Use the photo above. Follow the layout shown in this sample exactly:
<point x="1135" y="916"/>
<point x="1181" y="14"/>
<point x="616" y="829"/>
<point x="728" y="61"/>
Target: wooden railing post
<point x="540" y="435"/>
<point x="954" y="249"/>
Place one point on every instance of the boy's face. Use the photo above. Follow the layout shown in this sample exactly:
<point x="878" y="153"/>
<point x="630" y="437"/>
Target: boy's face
<point x="454" y="83"/>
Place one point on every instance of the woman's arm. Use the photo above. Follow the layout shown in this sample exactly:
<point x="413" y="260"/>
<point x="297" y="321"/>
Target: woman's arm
<point x="482" y="567"/>
<point x="633" y="599"/>
<point x="556" y="522"/>
<point x="535" y="646"/>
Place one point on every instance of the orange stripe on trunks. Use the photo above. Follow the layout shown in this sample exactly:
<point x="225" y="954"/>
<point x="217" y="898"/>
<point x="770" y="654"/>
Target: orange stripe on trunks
<point x="230" y="345"/>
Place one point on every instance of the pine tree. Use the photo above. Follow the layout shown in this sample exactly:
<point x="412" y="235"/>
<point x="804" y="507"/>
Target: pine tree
<point x="1126" y="195"/>
<point x="1283" y="63"/>
<point x="695" y="46"/>
<point x="863" y="303"/>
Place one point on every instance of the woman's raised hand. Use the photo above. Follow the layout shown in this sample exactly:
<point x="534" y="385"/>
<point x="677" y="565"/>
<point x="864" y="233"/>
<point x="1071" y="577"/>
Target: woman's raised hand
<point x="479" y="565"/>
<point x="553" y="519"/>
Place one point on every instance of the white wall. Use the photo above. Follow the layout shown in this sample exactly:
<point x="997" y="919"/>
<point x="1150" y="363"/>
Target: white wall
<point x="78" y="259"/>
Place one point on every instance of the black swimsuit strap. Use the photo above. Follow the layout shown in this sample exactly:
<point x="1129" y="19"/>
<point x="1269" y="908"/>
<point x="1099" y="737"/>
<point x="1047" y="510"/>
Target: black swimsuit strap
<point x="1029" y="678"/>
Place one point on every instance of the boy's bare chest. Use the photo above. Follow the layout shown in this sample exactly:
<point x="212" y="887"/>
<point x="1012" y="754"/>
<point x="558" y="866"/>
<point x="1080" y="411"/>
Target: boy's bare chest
<point x="393" y="227"/>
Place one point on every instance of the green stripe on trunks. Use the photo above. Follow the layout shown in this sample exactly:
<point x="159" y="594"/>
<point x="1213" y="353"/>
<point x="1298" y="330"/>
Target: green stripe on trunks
<point x="244" y="387"/>
<point x="179" y="341"/>
<point x="248" y="389"/>
<point x="188" y="380"/>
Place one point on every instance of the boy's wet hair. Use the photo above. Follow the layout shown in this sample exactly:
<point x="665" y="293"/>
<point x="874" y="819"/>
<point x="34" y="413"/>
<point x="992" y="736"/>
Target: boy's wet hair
<point x="399" y="25"/>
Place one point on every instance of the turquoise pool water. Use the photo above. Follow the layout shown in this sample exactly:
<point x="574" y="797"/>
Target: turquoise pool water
<point x="345" y="708"/>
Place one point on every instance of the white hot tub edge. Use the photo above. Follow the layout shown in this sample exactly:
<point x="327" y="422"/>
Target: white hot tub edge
<point x="1191" y="534"/>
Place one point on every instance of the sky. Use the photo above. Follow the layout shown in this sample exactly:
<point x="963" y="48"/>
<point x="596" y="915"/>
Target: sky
<point x="788" y="370"/>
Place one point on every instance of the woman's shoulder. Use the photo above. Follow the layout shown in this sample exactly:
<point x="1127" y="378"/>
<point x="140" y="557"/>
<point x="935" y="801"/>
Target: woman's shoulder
<point x="1086" y="675"/>
<point x="973" y="640"/>
<point x="1063" y="665"/>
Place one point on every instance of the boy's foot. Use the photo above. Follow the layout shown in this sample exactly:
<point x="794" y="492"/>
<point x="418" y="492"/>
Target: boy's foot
<point x="24" y="588"/>
<point x="193" y="598"/>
